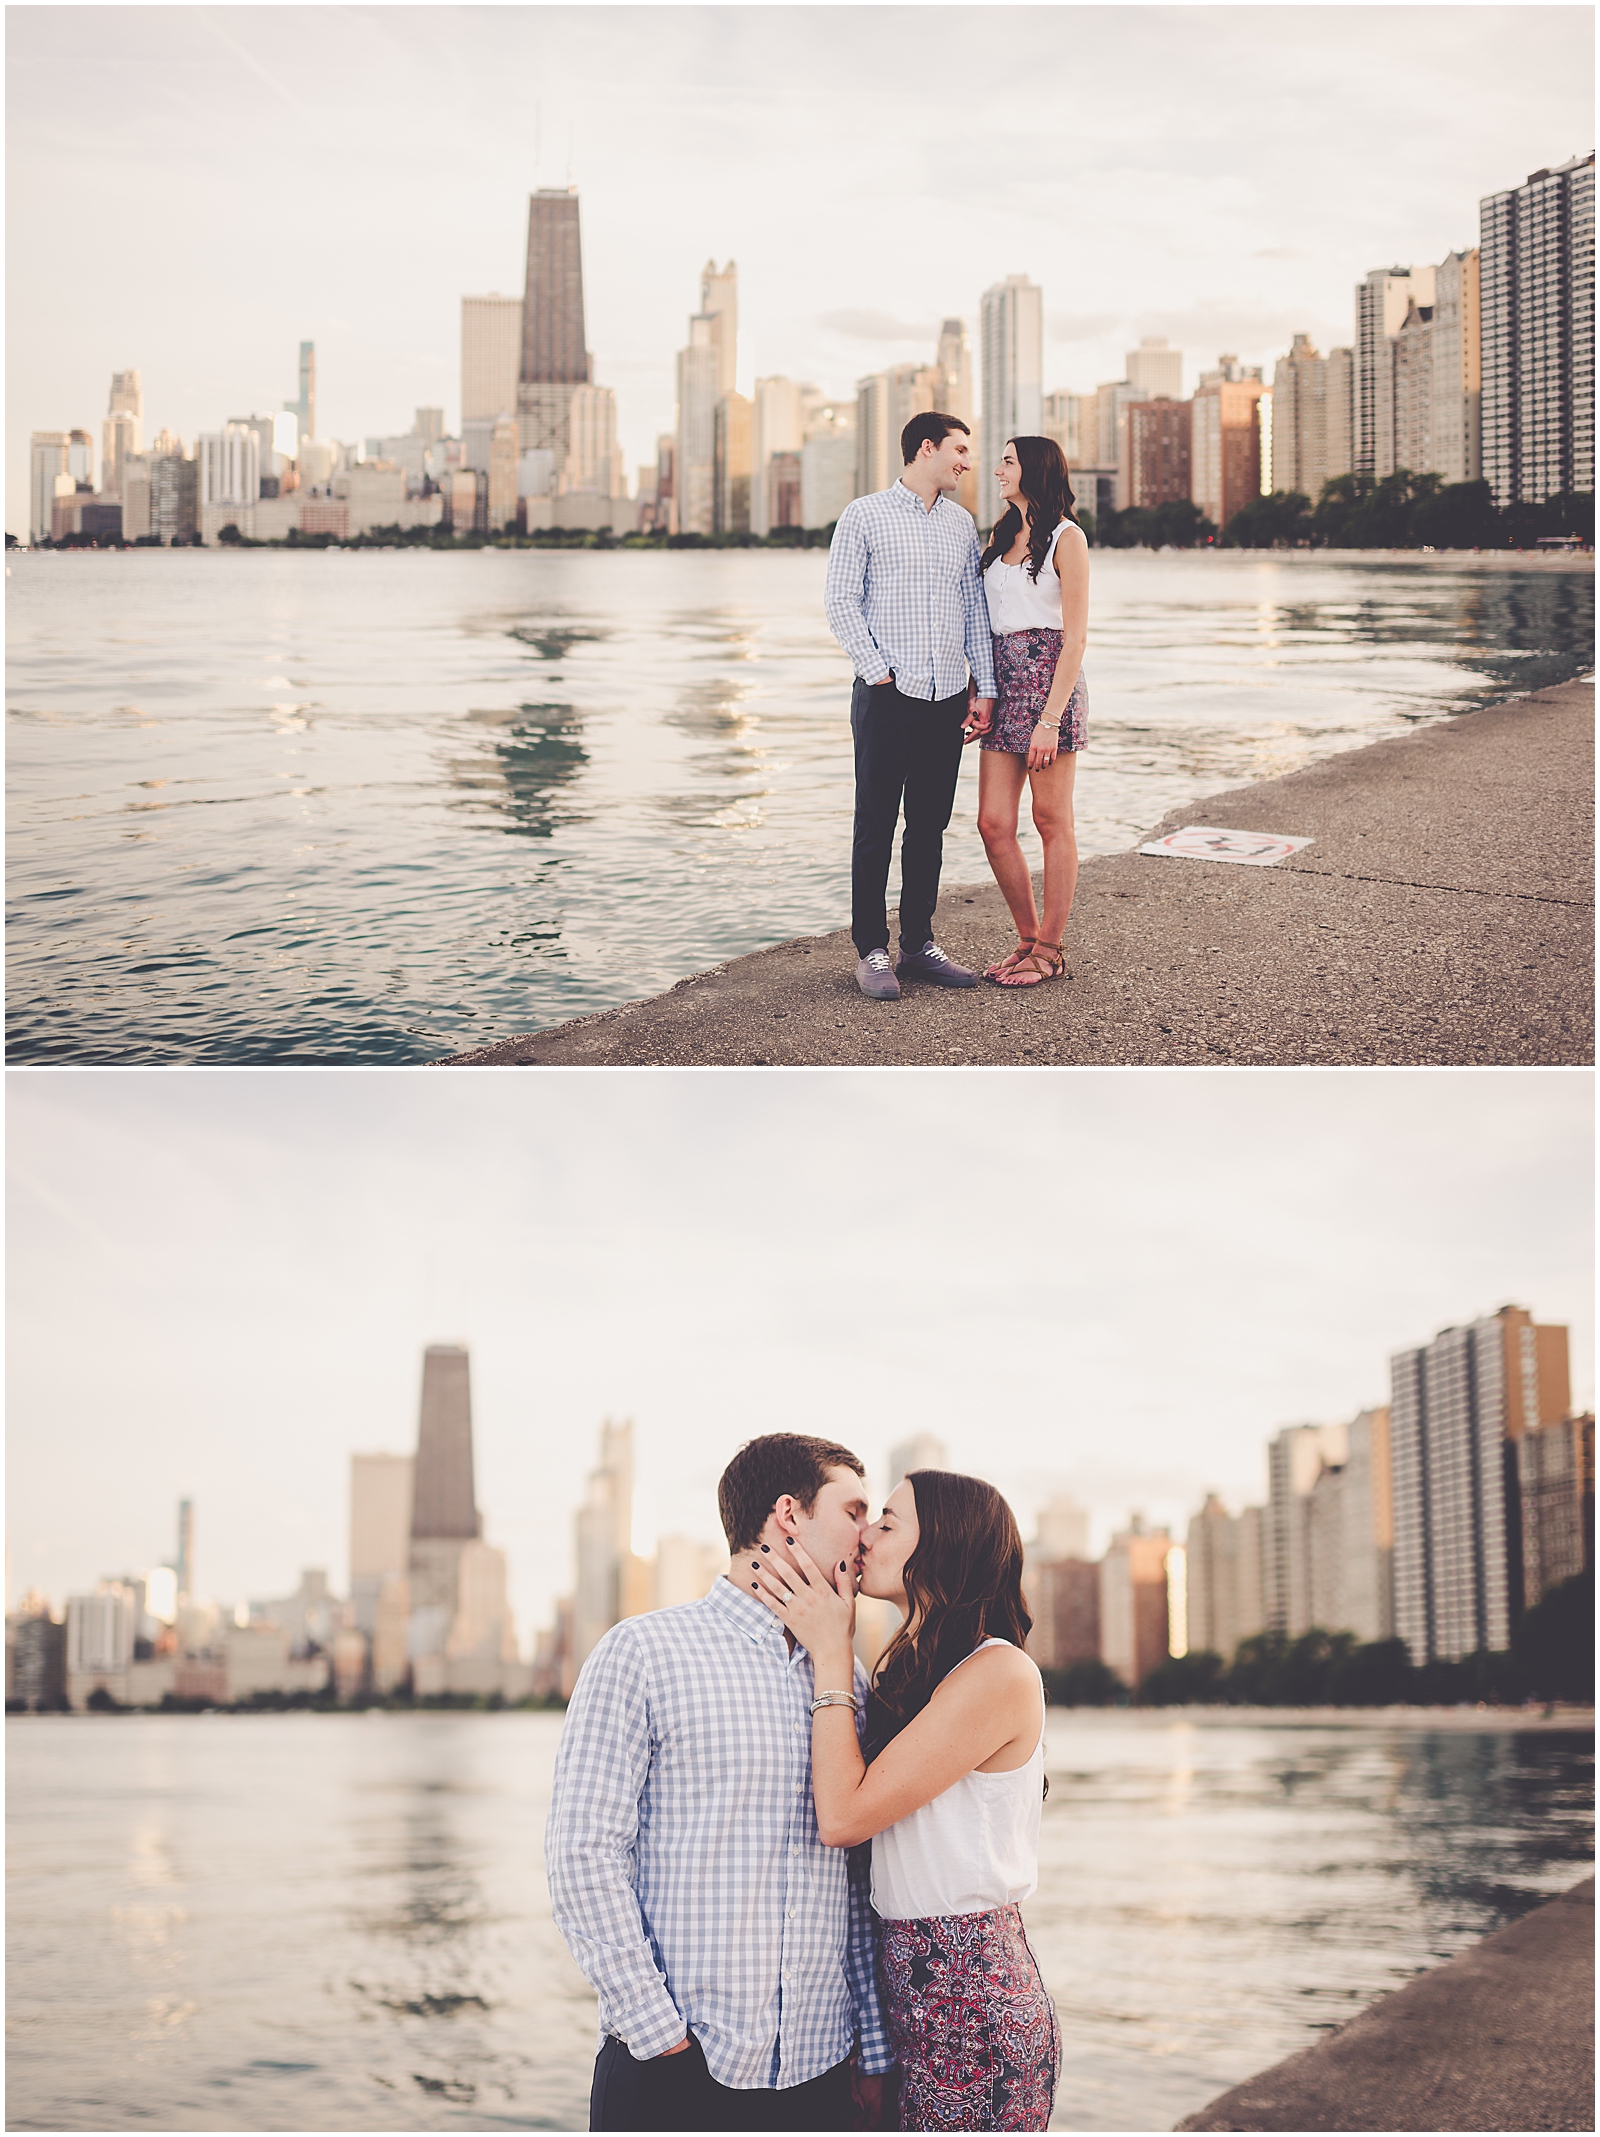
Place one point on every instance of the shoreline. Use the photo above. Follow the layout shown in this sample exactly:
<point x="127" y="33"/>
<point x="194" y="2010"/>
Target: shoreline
<point x="1494" y="1720"/>
<point x="1580" y="561"/>
<point x="1442" y="915"/>
<point x="1499" y="2038"/>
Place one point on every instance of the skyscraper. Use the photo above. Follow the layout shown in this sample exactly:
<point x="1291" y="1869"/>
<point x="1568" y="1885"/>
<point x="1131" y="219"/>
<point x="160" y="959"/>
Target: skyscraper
<point x="1223" y="1578"/>
<point x="921" y="1451"/>
<point x="554" y="356"/>
<point x="1458" y="1408"/>
<point x="491" y="356"/>
<point x="719" y="303"/>
<point x="1226" y="434"/>
<point x="604" y="1534"/>
<point x="695" y="451"/>
<point x="47" y="461"/>
<point x="1455" y="449"/>
<point x="444" y="1511"/>
<point x="304" y="406"/>
<point x="1310" y="418"/>
<point x="955" y="361"/>
<point x="1381" y="304"/>
<point x="123" y="430"/>
<point x="1296" y="1457"/>
<point x="1155" y="369"/>
<point x="1536" y="244"/>
<point x="1013" y="377"/>
<point x="1159" y="451"/>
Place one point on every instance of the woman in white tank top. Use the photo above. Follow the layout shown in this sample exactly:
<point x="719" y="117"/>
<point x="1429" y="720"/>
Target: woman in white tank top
<point x="1036" y="582"/>
<point x="949" y="1793"/>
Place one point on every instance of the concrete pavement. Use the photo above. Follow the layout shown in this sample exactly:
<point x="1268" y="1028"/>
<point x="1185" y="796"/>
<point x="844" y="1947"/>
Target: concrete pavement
<point x="1501" y="2038"/>
<point x="1444" y="914"/>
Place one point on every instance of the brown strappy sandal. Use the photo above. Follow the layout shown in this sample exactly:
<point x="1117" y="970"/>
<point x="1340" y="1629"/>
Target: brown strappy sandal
<point x="1046" y="960"/>
<point x="1012" y="959"/>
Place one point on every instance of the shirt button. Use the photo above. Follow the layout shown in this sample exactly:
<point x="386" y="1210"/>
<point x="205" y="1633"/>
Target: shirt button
<point x="794" y="1851"/>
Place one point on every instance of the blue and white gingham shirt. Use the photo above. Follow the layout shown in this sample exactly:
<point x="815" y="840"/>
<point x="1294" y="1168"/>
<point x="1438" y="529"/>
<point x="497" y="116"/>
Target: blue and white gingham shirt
<point x="685" y="1870"/>
<point x="904" y="593"/>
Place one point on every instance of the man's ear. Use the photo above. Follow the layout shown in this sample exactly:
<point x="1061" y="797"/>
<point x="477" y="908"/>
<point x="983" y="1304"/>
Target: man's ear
<point x="784" y="1510"/>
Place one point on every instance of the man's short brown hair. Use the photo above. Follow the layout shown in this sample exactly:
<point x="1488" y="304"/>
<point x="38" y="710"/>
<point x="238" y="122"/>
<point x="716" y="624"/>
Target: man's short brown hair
<point x="766" y="1469"/>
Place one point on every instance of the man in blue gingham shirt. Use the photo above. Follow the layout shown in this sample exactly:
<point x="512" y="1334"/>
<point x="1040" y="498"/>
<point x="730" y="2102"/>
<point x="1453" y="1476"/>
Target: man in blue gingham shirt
<point x="731" y="1951"/>
<point x="905" y="599"/>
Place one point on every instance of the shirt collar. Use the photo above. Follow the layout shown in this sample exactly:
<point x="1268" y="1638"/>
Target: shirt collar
<point x="904" y="490"/>
<point x="753" y="1619"/>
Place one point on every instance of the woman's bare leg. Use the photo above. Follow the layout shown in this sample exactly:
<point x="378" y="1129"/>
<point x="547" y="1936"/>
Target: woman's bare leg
<point x="1000" y="781"/>
<point x="1052" y="819"/>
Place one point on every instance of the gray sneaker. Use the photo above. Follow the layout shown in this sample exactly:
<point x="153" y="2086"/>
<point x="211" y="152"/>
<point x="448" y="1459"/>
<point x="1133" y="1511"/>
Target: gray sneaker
<point x="876" y="979"/>
<point x="930" y="963"/>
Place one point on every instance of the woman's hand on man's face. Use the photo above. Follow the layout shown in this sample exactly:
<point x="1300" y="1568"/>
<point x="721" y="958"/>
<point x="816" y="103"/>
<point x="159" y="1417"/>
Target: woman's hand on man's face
<point x="818" y="1605"/>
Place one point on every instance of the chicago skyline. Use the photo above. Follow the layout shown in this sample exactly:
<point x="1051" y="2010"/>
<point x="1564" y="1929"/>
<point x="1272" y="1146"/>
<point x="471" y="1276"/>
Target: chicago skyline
<point x="1468" y="99"/>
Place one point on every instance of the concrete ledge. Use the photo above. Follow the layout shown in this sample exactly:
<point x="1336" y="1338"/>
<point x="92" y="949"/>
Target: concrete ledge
<point x="1501" y="2038"/>
<point x="1443" y="915"/>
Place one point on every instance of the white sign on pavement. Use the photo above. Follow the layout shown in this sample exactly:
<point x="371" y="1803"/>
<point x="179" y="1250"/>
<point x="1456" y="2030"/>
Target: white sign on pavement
<point x="1205" y="842"/>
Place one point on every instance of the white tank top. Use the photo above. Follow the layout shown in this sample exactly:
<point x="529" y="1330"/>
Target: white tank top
<point x="1018" y="601"/>
<point x="974" y="1848"/>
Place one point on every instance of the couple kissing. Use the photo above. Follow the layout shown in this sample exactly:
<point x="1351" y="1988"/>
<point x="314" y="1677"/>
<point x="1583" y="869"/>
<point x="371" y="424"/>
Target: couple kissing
<point x="795" y="1890"/>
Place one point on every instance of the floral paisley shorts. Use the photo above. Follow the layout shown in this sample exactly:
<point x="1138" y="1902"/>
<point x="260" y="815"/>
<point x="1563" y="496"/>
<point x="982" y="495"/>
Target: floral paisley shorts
<point x="1024" y="669"/>
<point x="973" y="2030"/>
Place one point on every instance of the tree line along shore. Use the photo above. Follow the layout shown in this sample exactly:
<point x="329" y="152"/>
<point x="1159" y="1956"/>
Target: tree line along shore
<point x="1401" y="511"/>
<point x="1550" y="1662"/>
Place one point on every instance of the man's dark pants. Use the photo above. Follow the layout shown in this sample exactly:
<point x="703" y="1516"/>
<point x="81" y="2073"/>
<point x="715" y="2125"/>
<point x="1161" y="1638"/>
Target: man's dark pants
<point x="678" y="2092"/>
<point x="910" y="748"/>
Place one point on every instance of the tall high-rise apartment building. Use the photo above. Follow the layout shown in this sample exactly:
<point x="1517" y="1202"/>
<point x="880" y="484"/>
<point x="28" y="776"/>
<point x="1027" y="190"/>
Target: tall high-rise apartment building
<point x="47" y="462"/>
<point x="1154" y="369"/>
<point x="304" y="406"/>
<point x="1158" y="452"/>
<point x="954" y="359"/>
<point x="230" y="465"/>
<point x="444" y="1507"/>
<point x="1226" y="442"/>
<point x="1062" y="1586"/>
<point x="1012" y="342"/>
<point x="1536" y="246"/>
<point x="877" y="464"/>
<point x="1296" y="1457"/>
<point x="604" y="1542"/>
<point x="719" y="303"/>
<point x="732" y="478"/>
<point x="1555" y="1489"/>
<point x="1111" y="404"/>
<point x="778" y="417"/>
<point x="1459" y="1408"/>
<point x="1311" y="418"/>
<point x="594" y="465"/>
<point x="555" y="356"/>
<point x="695" y="448"/>
<point x="1223" y="1592"/>
<point x="122" y="433"/>
<point x="1382" y="301"/>
<point x="1455" y="449"/>
<point x="491" y="356"/>
<point x="828" y="464"/>
<point x="1134" y="1624"/>
<point x="1069" y="419"/>
<point x="1350" y="1525"/>
<point x="380" y="1558"/>
<point x="1409" y="364"/>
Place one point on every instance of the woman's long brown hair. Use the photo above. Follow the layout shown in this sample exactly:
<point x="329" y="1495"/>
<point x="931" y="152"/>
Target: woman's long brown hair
<point x="963" y="1584"/>
<point x="1047" y="487"/>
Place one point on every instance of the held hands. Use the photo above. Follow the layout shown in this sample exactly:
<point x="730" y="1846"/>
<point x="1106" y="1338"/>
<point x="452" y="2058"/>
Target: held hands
<point x="980" y="716"/>
<point x="818" y="1607"/>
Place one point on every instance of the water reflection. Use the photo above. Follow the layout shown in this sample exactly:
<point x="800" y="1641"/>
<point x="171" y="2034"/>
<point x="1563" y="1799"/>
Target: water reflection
<point x="295" y="848"/>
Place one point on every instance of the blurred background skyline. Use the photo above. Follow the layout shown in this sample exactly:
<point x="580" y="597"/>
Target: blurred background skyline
<point x="344" y="175"/>
<point x="1117" y="1286"/>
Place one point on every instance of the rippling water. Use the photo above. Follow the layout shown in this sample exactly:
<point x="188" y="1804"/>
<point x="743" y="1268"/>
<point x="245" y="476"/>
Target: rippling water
<point x="382" y="806"/>
<point x="309" y="1922"/>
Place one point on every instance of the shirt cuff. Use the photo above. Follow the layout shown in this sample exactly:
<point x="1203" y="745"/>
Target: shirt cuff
<point x="649" y="2032"/>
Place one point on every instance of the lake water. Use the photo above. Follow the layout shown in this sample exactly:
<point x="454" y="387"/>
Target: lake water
<point x="313" y="1922"/>
<point x="383" y="806"/>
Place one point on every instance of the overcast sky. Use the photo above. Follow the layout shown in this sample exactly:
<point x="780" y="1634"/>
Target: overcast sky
<point x="193" y="190"/>
<point x="1118" y="1283"/>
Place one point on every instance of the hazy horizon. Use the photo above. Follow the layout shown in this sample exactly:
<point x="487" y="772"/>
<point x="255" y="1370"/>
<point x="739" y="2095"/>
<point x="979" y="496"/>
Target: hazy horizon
<point x="193" y="191"/>
<point x="1113" y="1283"/>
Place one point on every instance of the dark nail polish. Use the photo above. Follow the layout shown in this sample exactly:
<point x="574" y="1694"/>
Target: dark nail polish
<point x="766" y="1547"/>
<point x="789" y="1540"/>
<point x="841" y="1565"/>
<point x="755" y="1565"/>
<point x="755" y="1587"/>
